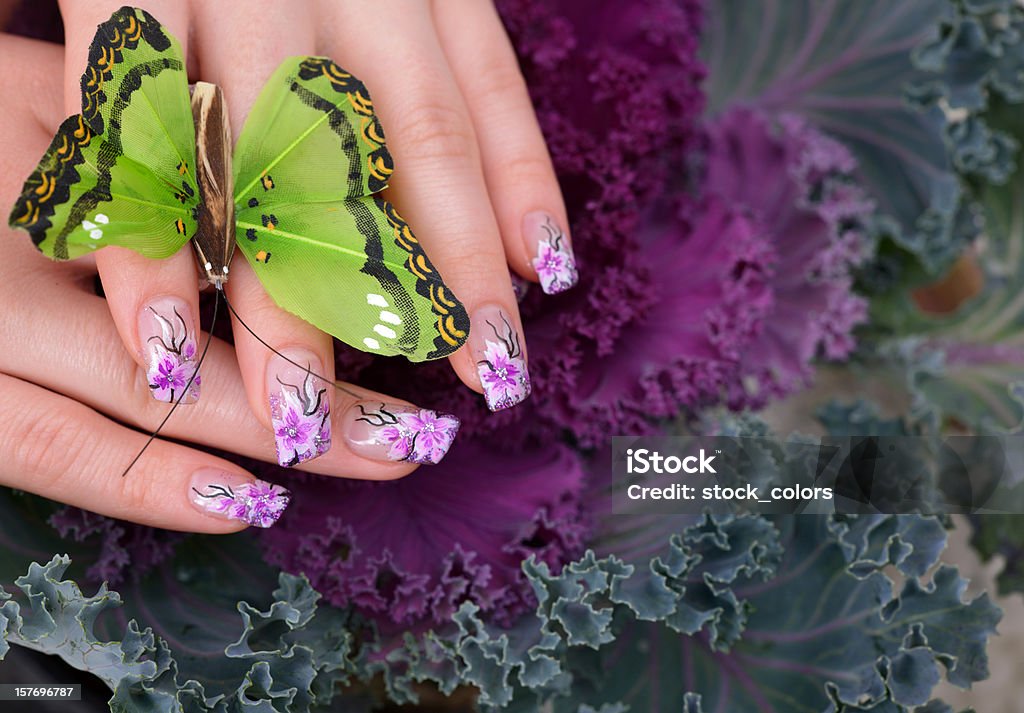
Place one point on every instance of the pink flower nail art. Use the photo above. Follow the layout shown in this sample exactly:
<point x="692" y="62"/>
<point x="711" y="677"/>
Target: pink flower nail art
<point x="554" y="261"/>
<point x="171" y="352"/>
<point x="300" y="411"/>
<point x="401" y="433"/>
<point x="502" y="369"/>
<point x="255" y="503"/>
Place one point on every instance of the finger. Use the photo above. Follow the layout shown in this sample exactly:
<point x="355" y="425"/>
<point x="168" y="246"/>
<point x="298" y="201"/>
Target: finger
<point x="285" y="393"/>
<point x="60" y="449"/>
<point x="439" y="183"/>
<point x="155" y="306"/>
<point x="520" y="178"/>
<point x="80" y="21"/>
<point x="38" y="65"/>
<point x="74" y="351"/>
<point x="154" y="303"/>
<point x="73" y="348"/>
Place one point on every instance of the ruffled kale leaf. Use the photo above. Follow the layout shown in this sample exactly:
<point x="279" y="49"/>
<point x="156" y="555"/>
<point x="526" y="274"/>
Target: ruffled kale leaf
<point x="736" y="614"/>
<point x="968" y="368"/>
<point x="285" y="653"/>
<point x="846" y="67"/>
<point x="290" y="656"/>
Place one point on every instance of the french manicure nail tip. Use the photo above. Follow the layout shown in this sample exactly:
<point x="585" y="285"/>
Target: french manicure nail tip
<point x="502" y="369"/>
<point x="400" y="433"/>
<point x="300" y="412"/>
<point x="172" y="356"/>
<point x="554" y="262"/>
<point x="256" y="503"/>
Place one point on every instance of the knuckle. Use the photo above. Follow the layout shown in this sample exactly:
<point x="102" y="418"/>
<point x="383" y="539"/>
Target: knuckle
<point x="528" y="170"/>
<point x="499" y="79"/>
<point x="136" y="493"/>
<point x="46" y="445"/>
<point x="468" y="269"/>
<point x="432" y="128"/>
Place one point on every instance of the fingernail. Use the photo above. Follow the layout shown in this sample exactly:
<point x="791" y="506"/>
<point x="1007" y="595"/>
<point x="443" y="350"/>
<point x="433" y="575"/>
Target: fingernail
<point x="394" y="432"/>
<point x="231" y="496"/>
<point x="498" y="350"/>
<point x="168" y="335"/>
<point x="553" y="259"/>
<point x="300" y="406"/>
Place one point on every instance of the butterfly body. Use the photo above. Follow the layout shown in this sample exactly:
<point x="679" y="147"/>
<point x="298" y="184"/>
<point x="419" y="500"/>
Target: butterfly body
<point x="147" y="168"/>
<point x="214" y="240"/>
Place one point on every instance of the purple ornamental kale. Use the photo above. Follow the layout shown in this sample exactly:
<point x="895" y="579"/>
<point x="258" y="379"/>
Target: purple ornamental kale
<point x="412" y="550"/>
<point x="126" y="550"/>
<point x="688" y="294"/>
<point x="618" y="96"/>
<point x="617" y="93"/>
<point x="795" y="185"/>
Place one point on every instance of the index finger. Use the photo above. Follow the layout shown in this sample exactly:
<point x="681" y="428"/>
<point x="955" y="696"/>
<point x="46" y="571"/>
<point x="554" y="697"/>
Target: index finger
<point x="154" y="303"/>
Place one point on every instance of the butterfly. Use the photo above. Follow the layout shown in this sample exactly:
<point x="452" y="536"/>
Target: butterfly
<point x="147" y="167"/>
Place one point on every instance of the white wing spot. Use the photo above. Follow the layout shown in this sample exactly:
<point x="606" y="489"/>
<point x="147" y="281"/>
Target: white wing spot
<point x="384" y="331"/>
<point x="371" y="343"/>
<point x="376" y="300"/>
<point x="390" y="317"/>
<point x="94" y="230"/>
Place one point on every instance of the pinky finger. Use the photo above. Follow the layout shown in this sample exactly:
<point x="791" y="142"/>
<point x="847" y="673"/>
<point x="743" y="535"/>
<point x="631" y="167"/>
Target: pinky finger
<point x="520" y="178"/>
<point x="60" y="449"/>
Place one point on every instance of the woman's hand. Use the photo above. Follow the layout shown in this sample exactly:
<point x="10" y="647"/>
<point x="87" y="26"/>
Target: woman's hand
<point x="473" y="178"/>
<point x="70" y="393"/>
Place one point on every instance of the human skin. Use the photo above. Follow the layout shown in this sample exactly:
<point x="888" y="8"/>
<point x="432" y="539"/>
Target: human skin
<point x="472" y="172"/>
<point x="473" y="176"/>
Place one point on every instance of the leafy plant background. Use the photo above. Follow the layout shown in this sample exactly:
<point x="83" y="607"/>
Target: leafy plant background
<point x="742" y="613"/>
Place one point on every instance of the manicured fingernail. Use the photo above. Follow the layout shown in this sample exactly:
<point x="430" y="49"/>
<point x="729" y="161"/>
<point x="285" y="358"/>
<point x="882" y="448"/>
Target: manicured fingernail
<point x="231" y="496"/>
<point x="394" y="432"/>
<point x="167" y="332"/>
<point x="300" y="406"/>
<point x="552" y="254"/>
<point x="498" y="350"/>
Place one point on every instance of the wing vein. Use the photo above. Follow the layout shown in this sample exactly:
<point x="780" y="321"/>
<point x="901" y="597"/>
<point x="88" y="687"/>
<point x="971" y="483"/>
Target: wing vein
<point x="394" y="267"/>
<point x="163" y="126"/>
<point x="280" y="157"/>
<point x="161" y="206"/>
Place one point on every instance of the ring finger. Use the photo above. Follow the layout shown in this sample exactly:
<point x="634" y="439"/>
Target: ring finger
<point x="439" y="183"/>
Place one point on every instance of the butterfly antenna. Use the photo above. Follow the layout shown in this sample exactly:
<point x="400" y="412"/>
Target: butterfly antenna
<point x="304" y="367"/>
<point x="184" y="391"/>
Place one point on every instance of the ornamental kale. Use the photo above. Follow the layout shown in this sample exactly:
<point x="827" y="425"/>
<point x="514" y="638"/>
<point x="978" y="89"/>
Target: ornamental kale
<point x="753" y="191"/>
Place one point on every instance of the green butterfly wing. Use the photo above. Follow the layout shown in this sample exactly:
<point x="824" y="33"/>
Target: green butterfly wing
<point x="119" y="173"/>
<point x="308" y="166"/>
